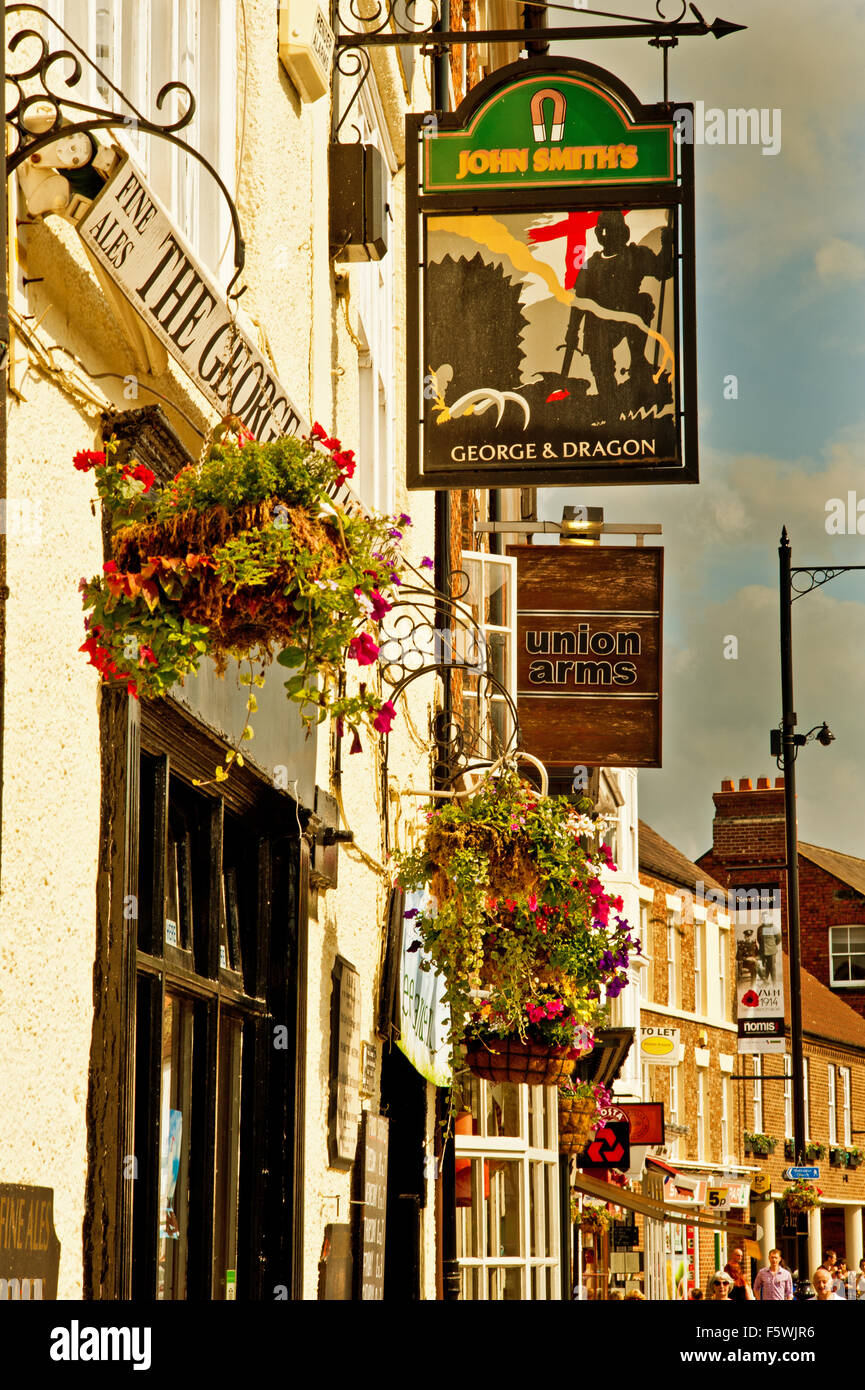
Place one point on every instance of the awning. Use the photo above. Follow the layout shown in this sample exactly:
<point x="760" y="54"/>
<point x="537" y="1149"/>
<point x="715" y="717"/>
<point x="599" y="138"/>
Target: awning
<point x="659" y="1211"/>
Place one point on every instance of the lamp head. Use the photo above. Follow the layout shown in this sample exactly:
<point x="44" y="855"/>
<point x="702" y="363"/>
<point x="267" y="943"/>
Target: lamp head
<point x="825" y="736"/>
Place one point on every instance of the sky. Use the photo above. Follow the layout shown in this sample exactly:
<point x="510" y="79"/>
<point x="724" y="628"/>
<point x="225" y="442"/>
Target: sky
<point x="781" y="306"/>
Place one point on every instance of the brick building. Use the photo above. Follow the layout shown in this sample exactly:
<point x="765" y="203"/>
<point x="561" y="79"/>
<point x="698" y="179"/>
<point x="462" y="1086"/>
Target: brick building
<point x="688" y="986"/>
<point x="748" y="851"/>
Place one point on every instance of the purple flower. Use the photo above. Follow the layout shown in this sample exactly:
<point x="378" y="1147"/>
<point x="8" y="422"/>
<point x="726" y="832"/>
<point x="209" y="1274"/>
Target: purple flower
<point x="412" y="912"/>
<point x="403" y="520"/>
<point x="427" y="564"/>
<point x="397" y="535"/>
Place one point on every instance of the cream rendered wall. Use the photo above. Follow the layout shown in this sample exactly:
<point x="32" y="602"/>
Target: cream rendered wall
<point x="52" y="770"/>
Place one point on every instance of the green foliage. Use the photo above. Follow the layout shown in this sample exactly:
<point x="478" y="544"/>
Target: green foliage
<point x="524" y="934"/>
<point x="244" y="556"/>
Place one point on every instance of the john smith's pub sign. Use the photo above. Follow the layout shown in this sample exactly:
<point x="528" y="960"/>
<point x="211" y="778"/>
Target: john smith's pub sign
<point x="550" y="286"/>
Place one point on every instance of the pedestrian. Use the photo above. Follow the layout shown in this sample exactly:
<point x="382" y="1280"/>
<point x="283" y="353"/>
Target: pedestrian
<point x="696" y="1295"/>
<point x="720" y="1286"/>
<point x="841" y="1280"/>
<point x="773" y="1283"/>
<point x="635" y="1297"/>
<point x="822" y="1281"/>
<point x="741" y="1291"/>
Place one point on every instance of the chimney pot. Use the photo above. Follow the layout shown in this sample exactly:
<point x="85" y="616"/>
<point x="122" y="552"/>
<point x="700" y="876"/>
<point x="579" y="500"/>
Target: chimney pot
<point x="727" y="785"/>
<point x="779" y="781"/>
<point x="745" y="784"/>
<point x="763" y="784"/>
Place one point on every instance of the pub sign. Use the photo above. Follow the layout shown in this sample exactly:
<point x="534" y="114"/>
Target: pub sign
<point x="550" y="286"/>
<point x="589" y="654"/>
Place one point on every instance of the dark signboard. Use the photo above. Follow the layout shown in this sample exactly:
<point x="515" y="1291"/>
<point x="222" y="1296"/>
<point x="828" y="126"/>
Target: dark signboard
<point x="29" y="1248"/>
<point x="589" y="643"/>
<point x="373" y="1207"/>
<point x="344" y="1112"/>
<point x="610" y="1148"/>
<point x="551" y="286"/>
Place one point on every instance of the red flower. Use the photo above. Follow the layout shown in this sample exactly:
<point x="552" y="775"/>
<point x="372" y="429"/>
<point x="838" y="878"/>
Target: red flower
<point x="146" y="654"/>
<point x="142" y="474"/>
<point x="385" y="717"/>
<point x="317" y="432"/>
<point x="363" y="649"/>
<point x="110" y="567"/>
<point x="86" y="459"/>
<point x="380" y="606"/>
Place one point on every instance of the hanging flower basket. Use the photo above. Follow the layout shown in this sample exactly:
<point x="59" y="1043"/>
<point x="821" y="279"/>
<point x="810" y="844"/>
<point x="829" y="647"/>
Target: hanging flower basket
<point x="801" y="1196"/>
<point x="244" y="556"/>
<point x="529" y="941"/>
<point x="594" y="1219"/>
<point x="525" y="1063"/>
<point x="579" y="1105"/>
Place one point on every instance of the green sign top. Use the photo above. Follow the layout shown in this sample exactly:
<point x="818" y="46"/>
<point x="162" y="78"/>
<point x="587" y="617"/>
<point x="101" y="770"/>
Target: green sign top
<point x="549" y="129"/>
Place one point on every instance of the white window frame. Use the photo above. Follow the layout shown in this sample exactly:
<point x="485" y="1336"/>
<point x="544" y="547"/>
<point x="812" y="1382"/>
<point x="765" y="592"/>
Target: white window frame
<point x="191" y="41"/>
<point x="726" y="1150"/>
<point x="788" y="1096"/>
<point x="843" y="955"/>
<point x="700" y="991"/>
<point x="806" y="1098"/>
<point x="757" y="1094"/>
<point x="701" y="1115"/>
<point x="725" y="1004"/>
<point x="538" y="1166"/>
<point x="648" y="976"/>
<point x="846" y="1100"/>
<point x="832" y="1105"/>
<point x="674" y="953"/>
<point x="507" y="565"/>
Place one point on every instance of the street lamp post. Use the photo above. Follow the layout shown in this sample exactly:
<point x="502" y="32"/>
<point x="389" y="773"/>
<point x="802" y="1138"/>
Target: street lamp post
<point x="788" y="753"/>
<point x="795" y="583"/>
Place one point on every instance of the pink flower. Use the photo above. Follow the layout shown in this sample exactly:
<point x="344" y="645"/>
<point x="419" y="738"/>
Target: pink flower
<point x="385" y="717"/>
<point x="533" y="902"/>
<point x="380" y="606"/>
<point x="363" y="649"/>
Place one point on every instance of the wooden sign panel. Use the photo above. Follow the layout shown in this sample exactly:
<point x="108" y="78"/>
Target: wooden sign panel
<point x="589" y="643"/>
<point x="29" y="1248"/>
<point x="344" y="1113"/>
<point x="373" y="1207"/>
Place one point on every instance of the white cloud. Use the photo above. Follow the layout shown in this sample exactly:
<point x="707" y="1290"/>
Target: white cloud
<point x="840" y="260"/>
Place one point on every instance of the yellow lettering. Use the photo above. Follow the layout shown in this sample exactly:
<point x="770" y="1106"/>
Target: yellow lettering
<point x="629" y="156"/>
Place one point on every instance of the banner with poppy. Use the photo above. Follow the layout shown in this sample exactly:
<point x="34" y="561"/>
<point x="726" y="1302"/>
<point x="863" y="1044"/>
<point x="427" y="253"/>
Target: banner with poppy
<point x="760" y="976"/>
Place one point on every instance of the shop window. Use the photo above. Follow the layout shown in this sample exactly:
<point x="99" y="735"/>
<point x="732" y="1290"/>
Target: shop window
<point x="201" y="1032"/>
<point x="847" y="957"/>
<point x="507" y="1192"/>
<point x="140" y="45"/>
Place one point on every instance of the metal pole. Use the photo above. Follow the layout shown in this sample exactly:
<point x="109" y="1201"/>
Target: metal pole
<point x="788" y="749"/>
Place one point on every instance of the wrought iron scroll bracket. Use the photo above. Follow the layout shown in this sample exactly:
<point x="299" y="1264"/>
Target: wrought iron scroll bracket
<point x="393" y="23"/>
<point x="37" y="90"/>
<point x="804" y="579"/>
<point x="429" y="633"/>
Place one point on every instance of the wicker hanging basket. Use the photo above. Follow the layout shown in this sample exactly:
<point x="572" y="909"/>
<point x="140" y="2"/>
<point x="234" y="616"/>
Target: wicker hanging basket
<point x="525" y="1063"/>
<point x="576" y="1123"/>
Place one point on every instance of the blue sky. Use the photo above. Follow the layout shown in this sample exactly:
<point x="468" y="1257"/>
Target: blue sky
<point x="780" y="305"/>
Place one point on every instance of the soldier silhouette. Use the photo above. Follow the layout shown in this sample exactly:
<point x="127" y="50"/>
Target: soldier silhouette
<point x="612" y="278"/>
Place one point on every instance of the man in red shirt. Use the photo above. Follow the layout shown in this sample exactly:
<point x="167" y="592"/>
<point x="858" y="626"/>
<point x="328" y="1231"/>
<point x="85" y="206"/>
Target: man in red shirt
<point x="773" y="1283"/>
